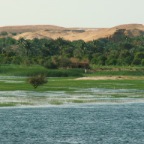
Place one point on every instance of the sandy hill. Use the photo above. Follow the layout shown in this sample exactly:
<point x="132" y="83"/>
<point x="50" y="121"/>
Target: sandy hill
<point x="86" y="34"/>
<point x="28" y="28"/>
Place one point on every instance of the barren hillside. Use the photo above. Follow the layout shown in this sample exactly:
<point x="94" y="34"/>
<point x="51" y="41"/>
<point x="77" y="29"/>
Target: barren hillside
<point x="86" y="34"/>
<point x="28" y="28"/>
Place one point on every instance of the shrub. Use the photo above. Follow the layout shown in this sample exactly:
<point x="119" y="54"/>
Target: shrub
<point x="37" y="80"/>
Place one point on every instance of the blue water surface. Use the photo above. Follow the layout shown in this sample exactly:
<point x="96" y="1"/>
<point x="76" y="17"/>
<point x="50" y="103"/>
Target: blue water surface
<point x="83" y="124"/>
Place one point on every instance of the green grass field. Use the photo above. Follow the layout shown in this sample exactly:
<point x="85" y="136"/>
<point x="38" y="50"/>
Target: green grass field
<point x="22" y="70"/>
<point x="61" y="90"/>
<point x="69" y="84"/>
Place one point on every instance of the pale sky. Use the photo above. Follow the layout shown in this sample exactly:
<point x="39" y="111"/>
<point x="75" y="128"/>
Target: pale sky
<point x="71" y="13"/>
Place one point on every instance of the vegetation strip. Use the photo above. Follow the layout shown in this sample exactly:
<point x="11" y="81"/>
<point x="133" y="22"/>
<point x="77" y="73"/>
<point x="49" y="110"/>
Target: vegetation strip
<point x="60" y="91"/>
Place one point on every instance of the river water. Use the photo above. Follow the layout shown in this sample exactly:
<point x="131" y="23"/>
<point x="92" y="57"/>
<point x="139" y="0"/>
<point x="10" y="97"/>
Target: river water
<point x="73" y="124"/>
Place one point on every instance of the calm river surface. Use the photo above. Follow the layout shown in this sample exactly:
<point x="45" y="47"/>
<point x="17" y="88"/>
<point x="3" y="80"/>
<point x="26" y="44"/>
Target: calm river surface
<point x="79" y="124"/>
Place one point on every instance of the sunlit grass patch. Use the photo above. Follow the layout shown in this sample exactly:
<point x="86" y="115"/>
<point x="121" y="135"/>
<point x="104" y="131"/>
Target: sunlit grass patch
<point x="12" y="104"/>
<point x="70" y="85"/>
<point x="55" y="102"/>
<point x="77" y="101"/>
<point x="119" y="96"/>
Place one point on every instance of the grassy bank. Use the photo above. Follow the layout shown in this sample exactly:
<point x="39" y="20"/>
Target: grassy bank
<point x="70" y="84"/>
<point x="16" y="91"/>
<point x="116" y="71"/>
<point x="64" y="86"/>
<point x="22" y="70"/>
<point x="67" y="84"/>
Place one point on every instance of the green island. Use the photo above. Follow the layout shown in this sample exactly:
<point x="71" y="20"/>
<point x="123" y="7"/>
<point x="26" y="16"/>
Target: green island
<point x="104" y="70"/>
<point x="107" y="85"/>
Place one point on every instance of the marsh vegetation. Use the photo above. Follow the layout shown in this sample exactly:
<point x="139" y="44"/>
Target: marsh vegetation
<point x="16" y="91"/>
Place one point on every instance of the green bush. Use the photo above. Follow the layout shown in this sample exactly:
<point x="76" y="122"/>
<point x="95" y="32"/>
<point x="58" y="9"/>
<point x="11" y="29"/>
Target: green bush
<point x="37" y="80"/>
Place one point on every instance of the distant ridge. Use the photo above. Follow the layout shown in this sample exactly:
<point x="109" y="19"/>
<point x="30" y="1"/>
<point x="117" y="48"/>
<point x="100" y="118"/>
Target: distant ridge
<point x="28" y="28"/>
<point x="54" y="32"/>
<point x="130" y="26"/>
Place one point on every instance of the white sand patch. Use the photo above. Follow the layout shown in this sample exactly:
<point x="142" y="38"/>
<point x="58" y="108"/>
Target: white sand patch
<point x="108" y="78"/>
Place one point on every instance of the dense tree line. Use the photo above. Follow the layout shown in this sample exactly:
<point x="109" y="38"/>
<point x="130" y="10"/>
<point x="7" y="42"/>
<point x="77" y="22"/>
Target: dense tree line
<point x="115" y="50"/>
